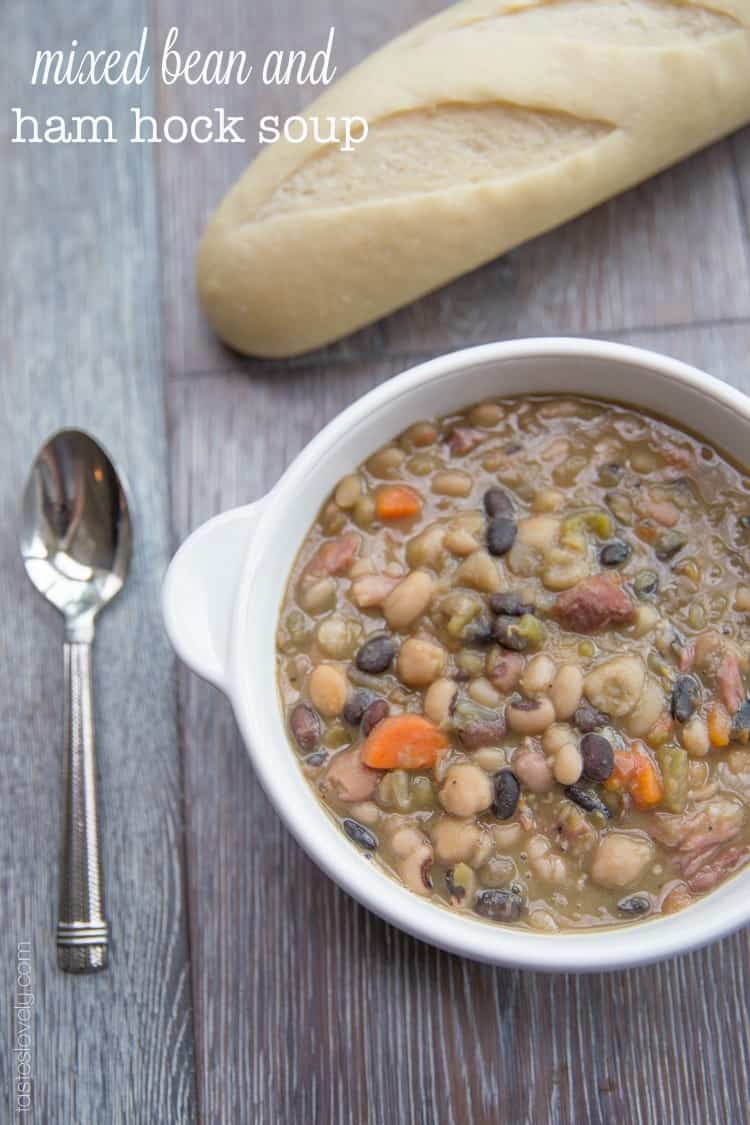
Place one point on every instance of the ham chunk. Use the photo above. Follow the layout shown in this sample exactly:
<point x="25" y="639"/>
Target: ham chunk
<point x="334" y="557"/>
<point x="348" y="778"/>
<point x="463" y="439"/>
<point x="729" y="679"/>
<point x="593" y="604"/>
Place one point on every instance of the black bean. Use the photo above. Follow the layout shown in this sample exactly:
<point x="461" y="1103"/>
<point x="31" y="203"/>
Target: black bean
<point x="598" y="757"/>
<point x="500" y="906"/>
<point x="359" y="834"/>
<point x="587" y="718"/>
<point x="686" y="695"/>
<point x="586" y="799"/>
<point x="305" y="726"/>
<point x="510" y="604"/>
<point x="615" y="553"/>
<point x="507" y="634"/>
<point x="646" y="583"/>
<point x="376" y="655"/>
<point x="670" y="544"/>
<point x="501" y="535"/>
<point x="741" y="722"/>
<point x="635" y="906"/>
<point x="319" y="758"/>
<point x="506" y="790"/>
<point x="374" y="714"/>
<point x="497" y="502"/>
<point x="356" y="705"/>
<point x="478" y="632"/>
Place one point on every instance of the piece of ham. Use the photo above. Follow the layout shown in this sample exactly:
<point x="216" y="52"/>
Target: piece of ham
<point x="663" y="512"/>
<point x="463" y="439"/>
<point x="729" y="679"/>
<point x="334" y="556"/>
<point x="592" y="604"/>
<point x="715" y="867"/>
<point x="348" y="778"/>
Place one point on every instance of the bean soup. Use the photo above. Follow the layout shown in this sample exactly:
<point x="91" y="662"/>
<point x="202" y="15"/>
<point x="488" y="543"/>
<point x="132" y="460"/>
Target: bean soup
<point x="512" y="659"/>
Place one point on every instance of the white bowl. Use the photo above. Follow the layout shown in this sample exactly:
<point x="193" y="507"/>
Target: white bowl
<point x="224" y="587"/>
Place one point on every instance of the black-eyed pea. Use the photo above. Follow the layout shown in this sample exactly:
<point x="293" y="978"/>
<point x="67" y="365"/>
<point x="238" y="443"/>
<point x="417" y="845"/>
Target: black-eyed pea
<point x="538" y="675"/>
<point x="555" y="737"/>
<point x="694" y="737"/>
<point x="439" y="699"/>
<point x="451" y="482"/>
<point x="466" y="790"/>
<point x="479" y="572"/>
<point x="420" y="662"/>
<point x="566" y="690"/>
<point x="328" y="687"/>
<point x="414" y="869"/>
<point x="348" y="491"/>
<point x="568" y="764"/>
<point x="483" y="693"/>
<point x="530" y="716"/>
<point x="409" y="599"/>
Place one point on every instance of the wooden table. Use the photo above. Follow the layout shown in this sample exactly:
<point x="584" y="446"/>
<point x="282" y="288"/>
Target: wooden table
<point x="244" y="986"/>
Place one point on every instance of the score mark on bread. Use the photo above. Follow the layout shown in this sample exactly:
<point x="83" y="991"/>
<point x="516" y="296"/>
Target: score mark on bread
<point x="430" y="150"/>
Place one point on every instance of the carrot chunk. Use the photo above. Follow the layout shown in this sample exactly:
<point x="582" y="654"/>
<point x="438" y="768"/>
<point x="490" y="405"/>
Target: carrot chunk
<point x="406" y="742"/>
<point x="719" y="725"/>
<point x="636" y="773"/>
<point x="397" y="502"/>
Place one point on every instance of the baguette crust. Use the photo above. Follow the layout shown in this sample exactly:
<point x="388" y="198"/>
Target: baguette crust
<point x="488" y="124"/>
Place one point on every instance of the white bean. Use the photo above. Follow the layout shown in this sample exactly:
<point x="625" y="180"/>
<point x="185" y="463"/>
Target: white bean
<point x="538" y="532"/>
<point x="451" y="483"/>
<point x="348" y="491"/>
<point x="482" y="692"/>
<point x="555" y="737"/>
<point x="538" y="675"/>
<point x="566" y="690"/>
<point x="328" y="690"/>
<point x="568" y="765"/>
<point x="694" y="737"/>
<point x="479" y="571"/>
<point x="461" y="542"/>
<point x="409" y="600"/>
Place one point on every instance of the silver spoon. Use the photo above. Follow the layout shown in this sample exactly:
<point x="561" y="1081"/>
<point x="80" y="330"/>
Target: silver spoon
<point x="76" y="544"/>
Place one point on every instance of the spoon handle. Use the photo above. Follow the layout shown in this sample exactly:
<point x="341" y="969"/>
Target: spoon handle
<point x="82" y="931"/>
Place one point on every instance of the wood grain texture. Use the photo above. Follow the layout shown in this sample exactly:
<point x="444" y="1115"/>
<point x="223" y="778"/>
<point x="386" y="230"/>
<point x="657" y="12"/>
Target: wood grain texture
<point x="79" y="336"/>
<point x="311" y="1009"/>
<point x="663" y="253"/>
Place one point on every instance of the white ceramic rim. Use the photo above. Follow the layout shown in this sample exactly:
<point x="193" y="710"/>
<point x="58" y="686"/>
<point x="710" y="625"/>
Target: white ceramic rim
<point x="261" y="725"/>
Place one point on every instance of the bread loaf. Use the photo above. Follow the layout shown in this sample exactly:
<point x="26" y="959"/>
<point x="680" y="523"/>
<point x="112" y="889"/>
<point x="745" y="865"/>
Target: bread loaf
<point x="487" y="125"/>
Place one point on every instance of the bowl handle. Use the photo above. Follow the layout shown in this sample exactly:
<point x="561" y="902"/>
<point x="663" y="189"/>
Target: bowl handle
<point x="199" y="590"/>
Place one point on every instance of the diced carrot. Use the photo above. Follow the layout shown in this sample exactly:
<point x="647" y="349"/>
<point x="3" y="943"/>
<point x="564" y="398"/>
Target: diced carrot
<point x="406" y="742"/>
<point x="645" y="785"/>
<point x="719" y="725"/>
<point x="396" y="502"/>
<point x="636" y="773"/>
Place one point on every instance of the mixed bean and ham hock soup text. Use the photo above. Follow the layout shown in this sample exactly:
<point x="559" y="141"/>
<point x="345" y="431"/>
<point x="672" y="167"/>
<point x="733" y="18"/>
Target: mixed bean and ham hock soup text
<point x="512" y="658"/>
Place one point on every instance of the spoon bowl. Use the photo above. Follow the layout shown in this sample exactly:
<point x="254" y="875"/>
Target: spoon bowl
<point x="76" y="542"/>
<point x="76" y="537"/>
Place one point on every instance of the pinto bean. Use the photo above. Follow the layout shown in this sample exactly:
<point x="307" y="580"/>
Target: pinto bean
<point x="409" y="600"/>
<point x="305" y="727"/>
<point x="531" y="716"/>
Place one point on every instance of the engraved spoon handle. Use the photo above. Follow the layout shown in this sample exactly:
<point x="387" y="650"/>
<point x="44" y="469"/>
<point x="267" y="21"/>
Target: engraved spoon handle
<point x="82" y="931"/>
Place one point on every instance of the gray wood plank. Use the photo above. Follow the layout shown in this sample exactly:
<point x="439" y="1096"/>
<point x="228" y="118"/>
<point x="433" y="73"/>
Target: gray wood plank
<point x="668" y="252"/>
<point x="80" y="342"/>
<point x="310" y="1008"/>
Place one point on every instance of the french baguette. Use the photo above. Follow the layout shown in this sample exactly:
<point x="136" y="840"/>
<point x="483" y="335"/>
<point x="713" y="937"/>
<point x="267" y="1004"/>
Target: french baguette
<point x="487" y="125"/>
